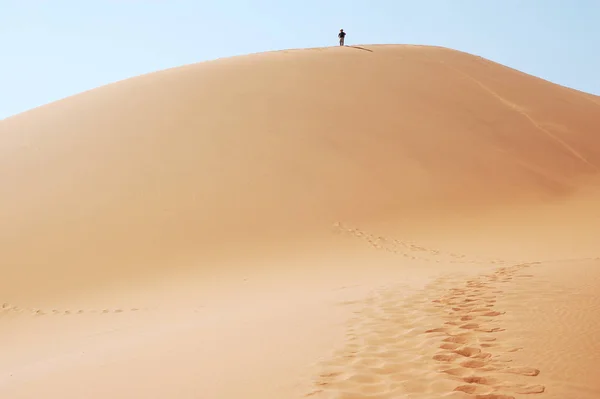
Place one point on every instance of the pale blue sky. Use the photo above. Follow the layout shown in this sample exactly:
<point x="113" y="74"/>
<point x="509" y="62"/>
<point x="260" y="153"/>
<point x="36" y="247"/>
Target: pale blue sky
<point x="51" y="49"/>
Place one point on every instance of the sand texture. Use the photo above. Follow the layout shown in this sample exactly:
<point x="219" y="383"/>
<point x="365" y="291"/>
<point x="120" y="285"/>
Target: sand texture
<point x="376" y="222"/>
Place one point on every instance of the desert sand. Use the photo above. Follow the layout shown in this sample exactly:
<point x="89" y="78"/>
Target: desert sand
<point x="382" y="221"/>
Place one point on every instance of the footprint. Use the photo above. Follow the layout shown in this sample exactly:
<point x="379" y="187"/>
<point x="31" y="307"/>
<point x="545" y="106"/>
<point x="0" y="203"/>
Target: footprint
<point x="473" y="364"/>
<point x="493" y="314"/>
<point x="458" y="339"/>
<point x="445" y="358"/>
<point x="527" y="371"/>
<point x="438" y="330"/>
<point x="450" y="346"/>
<point x="483" y="356"/>
<point x="458" y="372"/>
<point x="479" y="380"/>
<point x="490" y="330"/>
<point x="313" y="393"/>
<point x="528" y="389"/>
<point x="468" y="352"/>
<point x="473" y="389"/>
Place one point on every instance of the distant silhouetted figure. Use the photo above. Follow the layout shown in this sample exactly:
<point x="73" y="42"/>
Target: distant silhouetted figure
<point x="342" y="36"/>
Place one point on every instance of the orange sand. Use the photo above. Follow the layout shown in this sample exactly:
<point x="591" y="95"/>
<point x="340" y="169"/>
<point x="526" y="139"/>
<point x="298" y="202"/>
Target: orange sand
<point x="359" y="222"/>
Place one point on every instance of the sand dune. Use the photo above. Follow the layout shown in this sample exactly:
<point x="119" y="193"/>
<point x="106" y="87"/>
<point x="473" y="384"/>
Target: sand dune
<point x="330" y="222"/>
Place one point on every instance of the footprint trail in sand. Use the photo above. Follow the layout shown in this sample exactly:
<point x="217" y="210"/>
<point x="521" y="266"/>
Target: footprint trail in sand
<point x="409" y="249"/>
<point x="445" y="341"/>
<point x="7" y="308"/>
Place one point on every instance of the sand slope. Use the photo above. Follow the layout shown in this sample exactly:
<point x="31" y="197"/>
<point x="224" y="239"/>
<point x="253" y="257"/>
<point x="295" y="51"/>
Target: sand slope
<point x="175" y="233"/>
<point x="175" y="163"/>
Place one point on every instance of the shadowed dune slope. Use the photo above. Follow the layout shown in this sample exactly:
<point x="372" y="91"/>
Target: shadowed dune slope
<point x="263" y="149"/>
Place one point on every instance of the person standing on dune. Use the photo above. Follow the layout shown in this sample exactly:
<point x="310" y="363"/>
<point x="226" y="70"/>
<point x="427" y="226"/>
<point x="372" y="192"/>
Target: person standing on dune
<point x="342" y="36"/>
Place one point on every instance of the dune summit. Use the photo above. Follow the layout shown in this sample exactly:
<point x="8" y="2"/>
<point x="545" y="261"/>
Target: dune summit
<point x="208" y="166"/>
